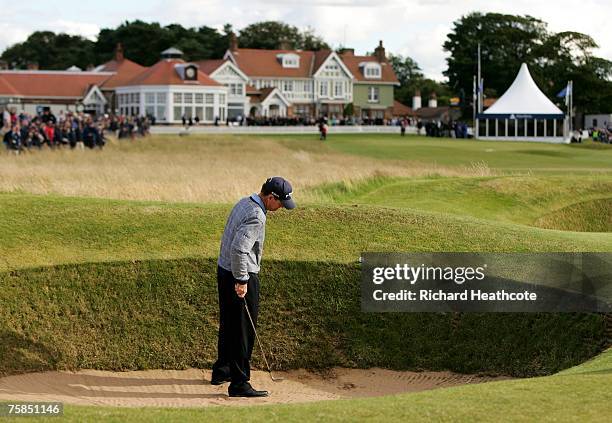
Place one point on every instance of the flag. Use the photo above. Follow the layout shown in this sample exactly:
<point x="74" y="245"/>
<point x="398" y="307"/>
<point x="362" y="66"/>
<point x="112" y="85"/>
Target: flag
<point x="565" y="91"/>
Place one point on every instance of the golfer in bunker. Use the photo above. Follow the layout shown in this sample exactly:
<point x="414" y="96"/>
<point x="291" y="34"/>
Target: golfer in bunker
<point x="238" y="284"/>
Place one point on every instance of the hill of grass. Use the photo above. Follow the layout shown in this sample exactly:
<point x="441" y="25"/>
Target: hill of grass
<point x="124" y="285"/>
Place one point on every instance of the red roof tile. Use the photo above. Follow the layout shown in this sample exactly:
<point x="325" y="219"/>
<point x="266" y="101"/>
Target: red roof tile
<point x="262" y="63"/>
<point x="125" y="71"/>
<point x="352" y="63"/>
<point x="400" y="109"/>
<point x="50" y="84"/>
<point x="164" y="73"/>
<point x="6" y="88"/>
<point x="209" y="66"/>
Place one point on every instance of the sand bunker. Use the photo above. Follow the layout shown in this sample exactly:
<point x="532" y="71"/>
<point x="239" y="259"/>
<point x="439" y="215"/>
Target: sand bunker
<point x="191" y="388"/>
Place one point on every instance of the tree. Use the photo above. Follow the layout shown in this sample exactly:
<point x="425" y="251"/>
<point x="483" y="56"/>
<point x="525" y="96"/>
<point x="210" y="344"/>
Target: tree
<point x="274" y="35"/>
<point x="507" y="41"/>
<point x="411" y="80"/>
<point x="51" y="51"/>
<point x="143" y="42"/>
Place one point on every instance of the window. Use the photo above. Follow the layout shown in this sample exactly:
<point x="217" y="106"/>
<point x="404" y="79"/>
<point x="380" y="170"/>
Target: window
<point x="150" y="98"/>
<point x="323" y="89"/>
<point x="178" y="98"/>
<point x="210" y="98"/>
<point x="373" y="93"/>
<point x="199" y="98"/>
<point x="209" y="114"/>
<point x="199" y="112"/>
<point x="308" y="87"/>
<point x="338" y="91"/>
<point x="161" y="113"/>
<point x="239" y="89"/>
<point x="188" y="98"/>
<point x="222" y="99"/>
<point x="287" y="86"/>
<point x="161" y="98"/>
<point x="290" y="60"/>
<point x="149" y="110"/>
<point x="372" y="70"/>
<point x="332" y="69"/>
<point x="177" y="113"/>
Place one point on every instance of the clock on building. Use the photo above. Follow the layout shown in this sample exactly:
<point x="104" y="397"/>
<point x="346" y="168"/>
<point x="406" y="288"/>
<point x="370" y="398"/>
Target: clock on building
<point x="190" y="73"/>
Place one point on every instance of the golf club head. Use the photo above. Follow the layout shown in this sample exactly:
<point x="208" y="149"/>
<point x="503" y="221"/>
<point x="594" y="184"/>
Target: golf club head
<point x="276" y="379"/>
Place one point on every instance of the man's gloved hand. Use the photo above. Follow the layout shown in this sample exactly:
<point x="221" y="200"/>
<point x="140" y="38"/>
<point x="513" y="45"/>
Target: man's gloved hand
<point x="241" y="289"/>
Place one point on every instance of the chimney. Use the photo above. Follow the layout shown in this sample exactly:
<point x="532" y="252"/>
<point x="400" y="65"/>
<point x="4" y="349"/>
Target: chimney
<point x="32" y="66"/>
<point x="119" y="53"/>
<point x="416" y="100"/>
<point x="433" y="100"/>
<point x="348" y="51"/>
<point x="285" y="45"/>
<point x="233" y="42"/>
<point x="379" y="52"/>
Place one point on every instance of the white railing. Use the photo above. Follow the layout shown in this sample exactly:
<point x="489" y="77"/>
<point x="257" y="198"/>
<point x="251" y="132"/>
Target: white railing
<point x="358" y="129"/>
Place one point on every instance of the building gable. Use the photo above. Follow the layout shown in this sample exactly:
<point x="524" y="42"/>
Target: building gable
<point x="328" y="66"/>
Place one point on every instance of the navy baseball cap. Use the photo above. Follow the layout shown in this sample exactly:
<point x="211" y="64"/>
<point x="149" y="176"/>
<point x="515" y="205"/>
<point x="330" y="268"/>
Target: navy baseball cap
<point x="281" y="189"/>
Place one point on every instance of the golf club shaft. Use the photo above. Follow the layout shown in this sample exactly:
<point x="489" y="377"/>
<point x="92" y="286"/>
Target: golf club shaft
<point x="257" y="337"/>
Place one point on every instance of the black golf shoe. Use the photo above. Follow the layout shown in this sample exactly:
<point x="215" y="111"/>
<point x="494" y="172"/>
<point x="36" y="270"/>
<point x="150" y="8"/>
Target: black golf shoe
<point x="245" y="390"/>
<point x="220" y="380"/>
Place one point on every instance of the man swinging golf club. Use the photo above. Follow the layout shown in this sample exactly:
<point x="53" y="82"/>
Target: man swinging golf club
<point x="238" y="284"/>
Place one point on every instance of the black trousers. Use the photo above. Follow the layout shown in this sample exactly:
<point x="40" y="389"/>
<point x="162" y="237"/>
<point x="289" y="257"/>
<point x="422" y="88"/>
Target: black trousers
<point x="236" y="335"/>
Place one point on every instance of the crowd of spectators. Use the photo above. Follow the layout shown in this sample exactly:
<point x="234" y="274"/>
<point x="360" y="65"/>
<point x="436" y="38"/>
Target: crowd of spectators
<point x="601" y="134"/>
<point x="21" y="132"/>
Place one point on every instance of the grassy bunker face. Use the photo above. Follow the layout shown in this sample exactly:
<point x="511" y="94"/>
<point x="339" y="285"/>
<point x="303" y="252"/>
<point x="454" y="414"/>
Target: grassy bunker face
<point x="163" y="314"/>
<point x="585" y="216"/>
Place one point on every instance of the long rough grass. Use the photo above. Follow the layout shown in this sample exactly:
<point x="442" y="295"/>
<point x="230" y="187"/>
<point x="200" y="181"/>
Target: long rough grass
<point x="214" y="169"/>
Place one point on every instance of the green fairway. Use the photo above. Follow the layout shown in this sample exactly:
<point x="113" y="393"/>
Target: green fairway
<point x="105" y="281"/>
<point x="505" y="156"/>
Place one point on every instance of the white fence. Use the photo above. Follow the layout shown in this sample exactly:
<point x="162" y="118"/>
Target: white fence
<point x="180" y="130"/>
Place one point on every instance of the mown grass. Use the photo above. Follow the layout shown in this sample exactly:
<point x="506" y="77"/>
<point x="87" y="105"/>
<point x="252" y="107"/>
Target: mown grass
<point x="537" y="158"/>
<point x="584" y="216"/>
<point x="49" y="230"/>
<point x="572" y="204"/>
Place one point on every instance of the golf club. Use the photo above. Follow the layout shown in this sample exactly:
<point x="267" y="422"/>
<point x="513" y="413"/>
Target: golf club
<point x="274" y="379"/>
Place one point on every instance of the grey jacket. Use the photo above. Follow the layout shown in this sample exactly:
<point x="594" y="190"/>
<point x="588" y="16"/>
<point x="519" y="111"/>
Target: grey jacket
<point x="243" y="238"/>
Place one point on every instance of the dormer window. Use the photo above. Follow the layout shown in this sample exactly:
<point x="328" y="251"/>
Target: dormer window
<point x="289" y="60"/>
<point x="187" y="72"/>
<point x="371" y="70"/>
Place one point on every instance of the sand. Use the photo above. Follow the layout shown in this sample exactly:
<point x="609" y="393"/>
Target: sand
<point x="191" y="388"/>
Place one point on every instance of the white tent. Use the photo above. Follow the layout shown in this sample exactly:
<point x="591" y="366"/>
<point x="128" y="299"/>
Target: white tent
<point x="523" y="113"/>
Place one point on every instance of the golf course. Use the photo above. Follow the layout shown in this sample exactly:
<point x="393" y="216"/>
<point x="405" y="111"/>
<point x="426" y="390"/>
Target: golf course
<point x="108" y="263"/>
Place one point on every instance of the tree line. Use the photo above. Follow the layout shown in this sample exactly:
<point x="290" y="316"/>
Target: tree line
<point x="506" y="41"/>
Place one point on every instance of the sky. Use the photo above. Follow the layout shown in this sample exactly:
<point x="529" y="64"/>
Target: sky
<point x="415" y="28"/>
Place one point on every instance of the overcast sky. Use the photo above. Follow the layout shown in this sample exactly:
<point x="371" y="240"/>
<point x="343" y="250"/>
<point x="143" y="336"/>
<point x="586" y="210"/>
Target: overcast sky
<point x="416" y="28"/>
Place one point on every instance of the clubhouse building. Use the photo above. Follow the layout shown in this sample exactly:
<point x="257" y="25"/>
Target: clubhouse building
<point x="246" y="82"/>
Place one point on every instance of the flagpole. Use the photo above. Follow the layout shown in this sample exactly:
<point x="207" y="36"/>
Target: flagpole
<point x="474" y="103"/>
<point x="478" y="93"/>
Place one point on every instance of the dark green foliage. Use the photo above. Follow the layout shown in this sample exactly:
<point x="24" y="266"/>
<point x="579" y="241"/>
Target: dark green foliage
<point x="509" y="40"/>
<point x="51" y="51"/>
<point x="273" y="34"/>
